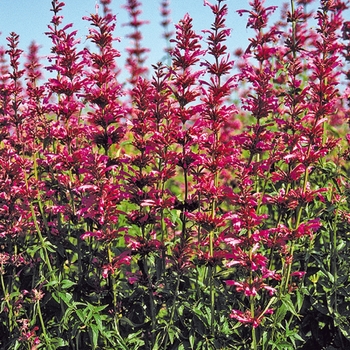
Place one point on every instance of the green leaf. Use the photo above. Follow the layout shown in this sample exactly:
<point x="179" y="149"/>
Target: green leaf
<point x="98" y="321"/>
<point x="291" y="334"/>
<point x="200" y="345"/>
<point x="121" y="344"/>
<point x="283" y="345"/>
<point x="280" y="314"/>
<point x="298" y="337"/>
<point x="42" y="254"/>
<point x="51" y="283"/>
<point x="67" y="316"/>
<point x="98" y="309"/>
<point x="58" y="342"/>
<point x="80" y="314"/>
<point x="289" y="305"/>
<point x="129" y="322"/>
<point x="50" y="247"/>
<point x="319" y="306"/>
<point x="65" y="284"/>
<point x="17" y="345"/>
<point x="94" y="330"/>
<point x="66" y="297"/>
<point x="331" y="277"/>
<point x="300" y="299"/>
<point x="32" y="250"/>
<point x="171" y="334"/>
<point x="341" y="245"/>
<point x="191" y="340"/>
<point x="2" y="307"/>
<point x="344" y="325"/>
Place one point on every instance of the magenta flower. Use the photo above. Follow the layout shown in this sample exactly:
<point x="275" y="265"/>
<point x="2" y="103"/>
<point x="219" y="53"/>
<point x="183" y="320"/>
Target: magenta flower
<point x="251" y="289"/>
<point x="246" y="317"/>
<point x="135" y="61"/>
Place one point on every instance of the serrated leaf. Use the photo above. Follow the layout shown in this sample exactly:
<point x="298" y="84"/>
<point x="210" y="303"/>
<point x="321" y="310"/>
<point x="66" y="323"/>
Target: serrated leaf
<point x="281" y="313"/>
<point x="289" y="305"/>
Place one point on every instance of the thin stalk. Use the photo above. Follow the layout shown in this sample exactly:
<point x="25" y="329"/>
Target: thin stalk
<point x="41" y="238"/>
<point x="151" y="300"/>
<point x="42" y="323"/>
<point x="286" y="272"/>
<point x="183" y="217"/>
<point x="297" y="223"/>
<point x="294" y="26"/>
<point x="211" y="273"/>
<point x="161" y="186"/>
<point x="212" y="269"/>
<point x="254" y="344"/>
<point x="333" y="263"/>
<point x="252" y="299"/>
<point x="40" y="205"/>
<point x="11" y="322"/>
<point x="199" y="240"/>
<point x="172" y="314"/>
<point x="112" y="282"/>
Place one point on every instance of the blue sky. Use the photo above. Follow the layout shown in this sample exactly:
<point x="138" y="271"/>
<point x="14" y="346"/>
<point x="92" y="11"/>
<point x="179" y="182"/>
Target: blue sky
<point x="29" y="19"/>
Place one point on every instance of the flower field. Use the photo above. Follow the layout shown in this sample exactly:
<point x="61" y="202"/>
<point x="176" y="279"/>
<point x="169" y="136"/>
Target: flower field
<point x="199" y="203"/>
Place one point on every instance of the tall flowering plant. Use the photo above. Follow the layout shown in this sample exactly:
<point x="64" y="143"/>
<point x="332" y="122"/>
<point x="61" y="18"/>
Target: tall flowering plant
<point x="203" y="207"/>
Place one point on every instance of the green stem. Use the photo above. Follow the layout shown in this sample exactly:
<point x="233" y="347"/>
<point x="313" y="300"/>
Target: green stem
<point x="11" y="322"/>
<point x="212" y="269"/>
<point x="183" y="217"/>
<point x="151" y="299"/>
<point x="41" y="210"/>
<point x="252" y="313"/>
<point x="333" y="266"/>
<point x="112" y="281"/>
<point x="43" y="325"/>
<point x="172" y="314"/>
<point x="211" y="273"/>
<point x="37" y="228"/>
<point x="252" y="298"/>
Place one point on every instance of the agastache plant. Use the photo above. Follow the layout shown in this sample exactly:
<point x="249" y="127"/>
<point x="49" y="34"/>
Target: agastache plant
<point x="203" y="207"/>
<point x="136" y="59"/>
<point x="165" y="23"/>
